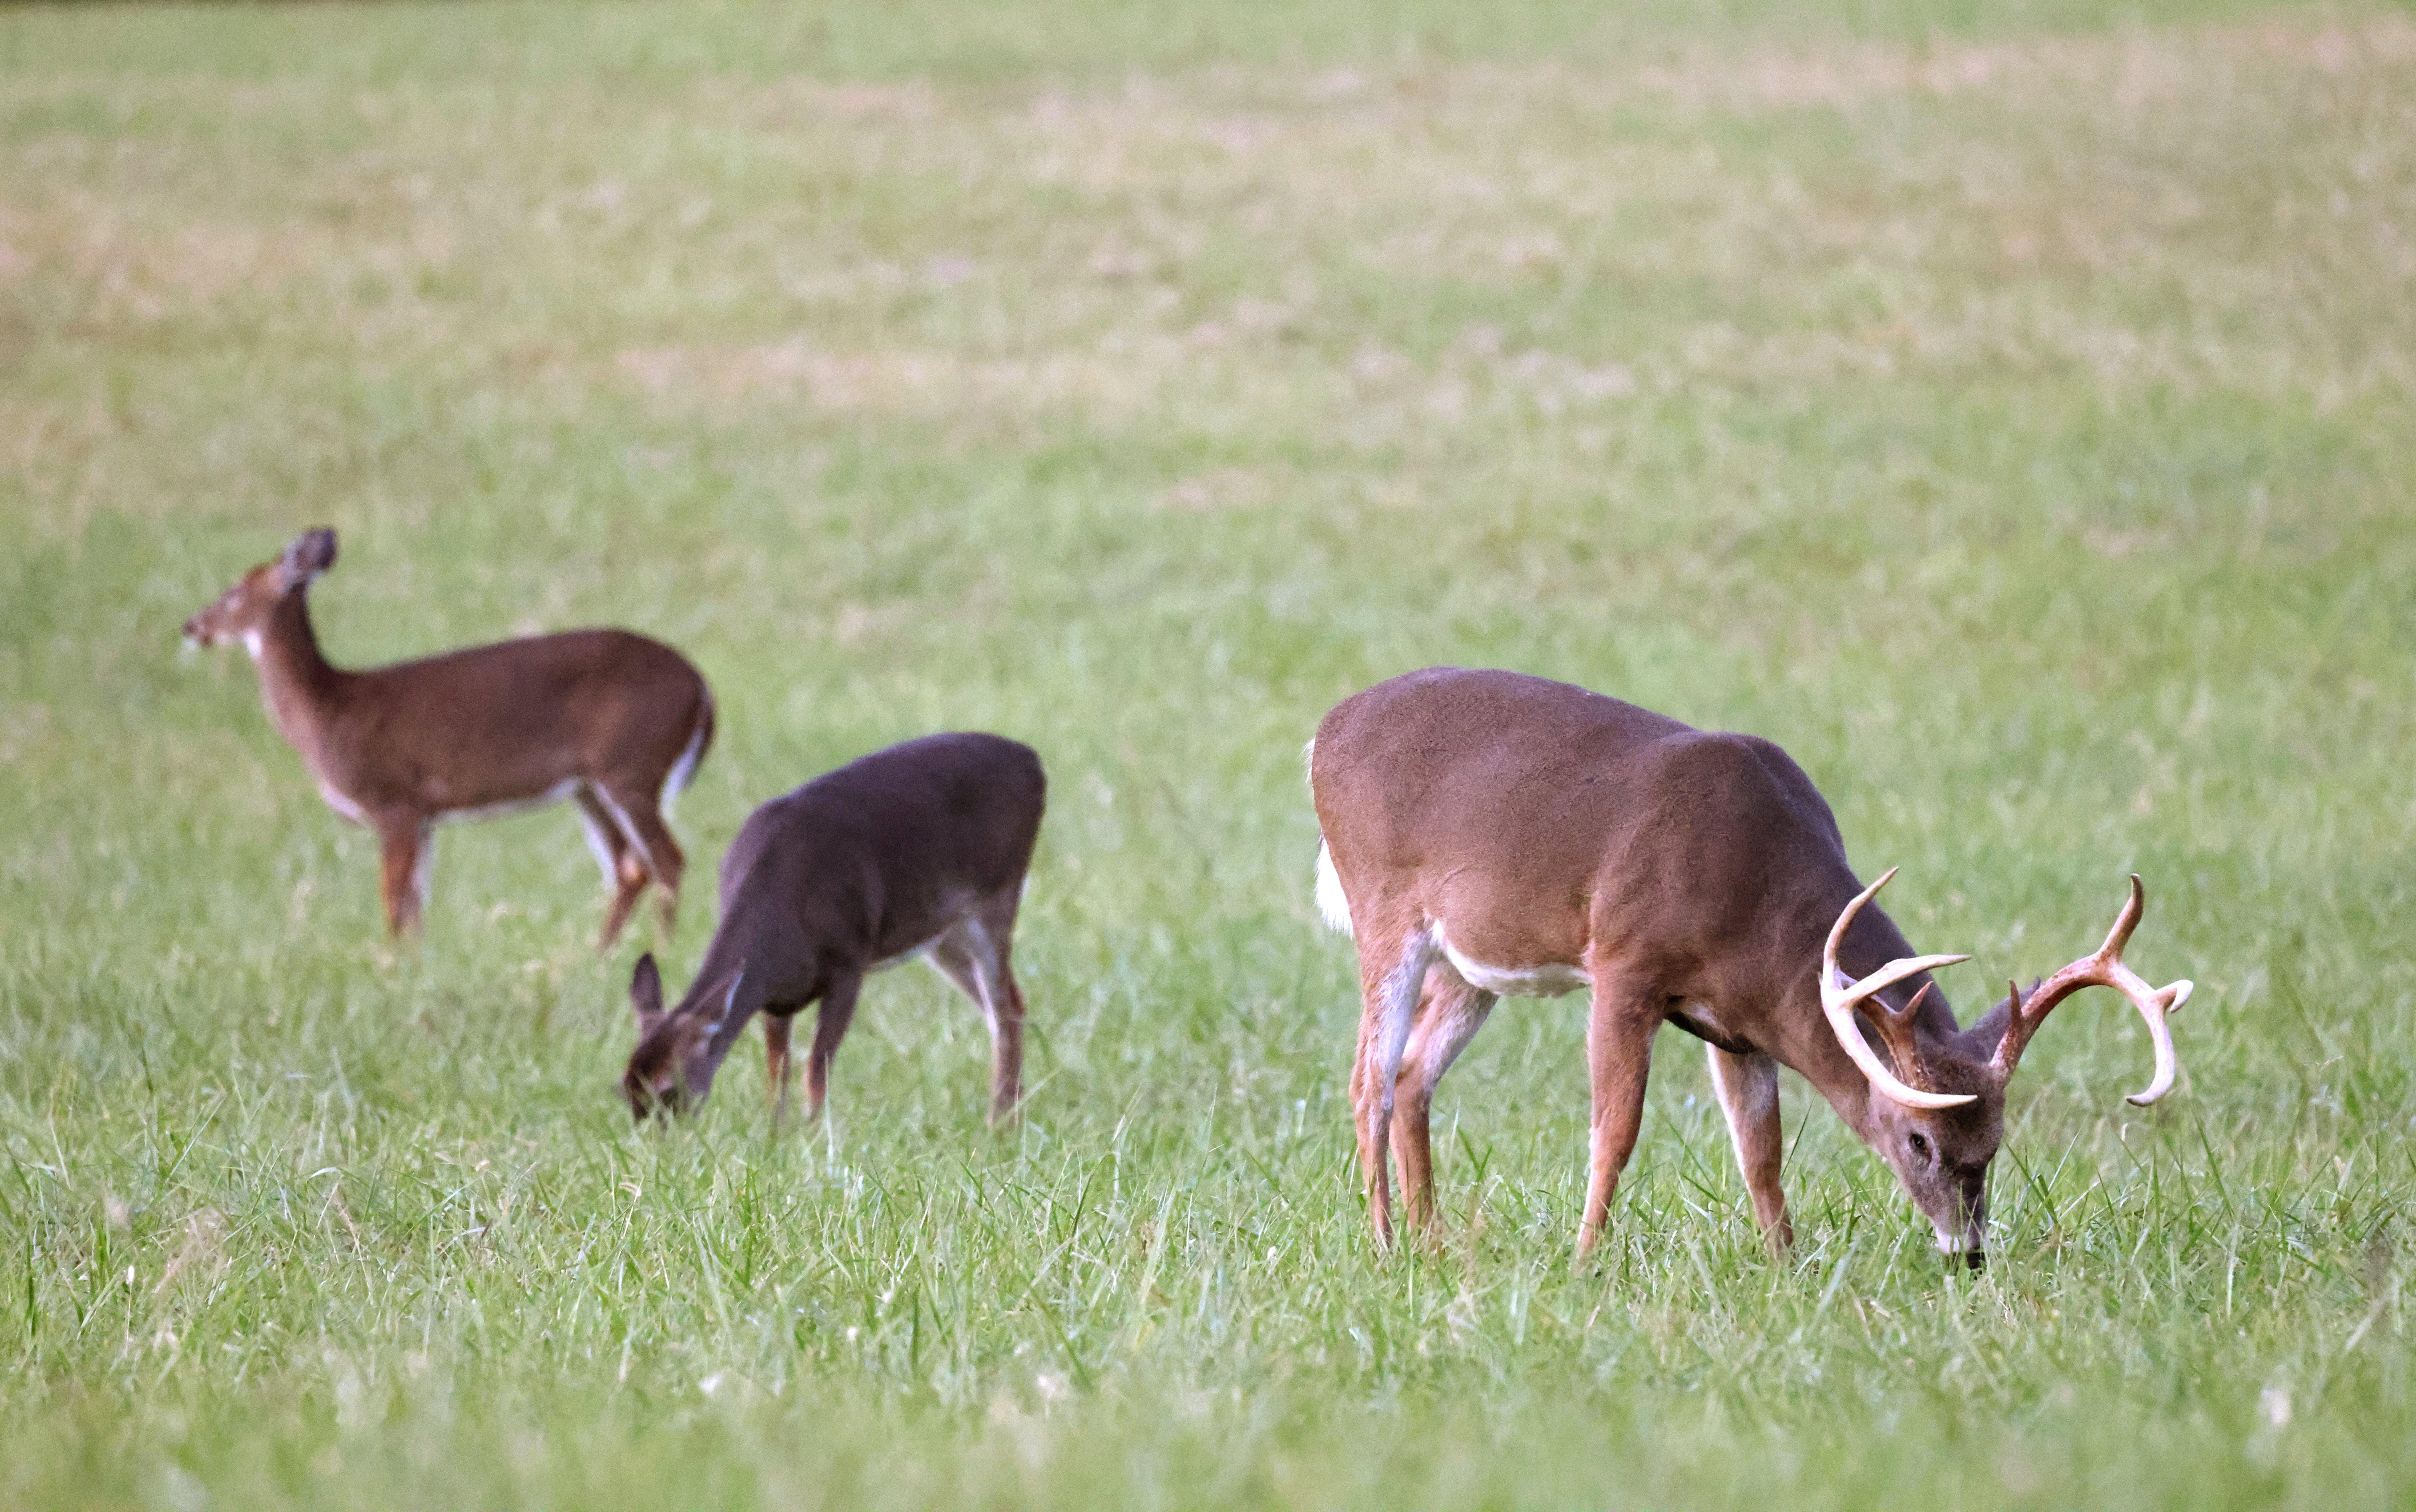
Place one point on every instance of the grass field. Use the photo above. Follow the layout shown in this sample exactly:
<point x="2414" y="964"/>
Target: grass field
<point x="2007" y="408"/>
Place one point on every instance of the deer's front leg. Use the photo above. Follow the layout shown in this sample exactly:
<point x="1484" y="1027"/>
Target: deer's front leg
<point x="777" y="1070"/>
<point x="403" y="853"/>
<point x="830" y="1027"/>
<point x="1618" y="1056"/>
<point x="1749" y="1091"/>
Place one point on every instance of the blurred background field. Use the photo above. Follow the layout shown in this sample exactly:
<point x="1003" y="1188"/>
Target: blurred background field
<point x="2007" y="408"/>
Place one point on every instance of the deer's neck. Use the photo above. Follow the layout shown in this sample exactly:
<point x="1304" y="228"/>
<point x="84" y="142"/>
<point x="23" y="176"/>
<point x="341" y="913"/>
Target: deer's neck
<point x="1816" y="1055"/>
<point x="754" y="991"/>
<point x="301" y="690"/>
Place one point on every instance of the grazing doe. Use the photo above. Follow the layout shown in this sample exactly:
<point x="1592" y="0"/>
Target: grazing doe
<point x="614" y="722"/>
<point x="1487" y="834"/>
<point x="918" y="850"/>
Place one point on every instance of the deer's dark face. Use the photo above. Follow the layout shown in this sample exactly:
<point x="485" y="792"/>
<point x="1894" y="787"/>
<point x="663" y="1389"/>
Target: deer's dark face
<point x="243" y="611"/>
<point x="671" y="1072"/>
<point x="1942" y="1155"/>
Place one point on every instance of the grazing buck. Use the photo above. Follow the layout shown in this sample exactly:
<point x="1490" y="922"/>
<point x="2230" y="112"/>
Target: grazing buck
<point x="918" y="850"/>
<point x="1487" y="834"/>
<point x="614" y="722"/>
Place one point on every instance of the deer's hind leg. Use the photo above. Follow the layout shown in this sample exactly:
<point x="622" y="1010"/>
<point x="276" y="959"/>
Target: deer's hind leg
<point x="625" y="869"/>
<point x="1394" y="955"/>
<point x="635" y="814"/>
<point x="977" y="955"/>
<point x="1449" y="1014"/>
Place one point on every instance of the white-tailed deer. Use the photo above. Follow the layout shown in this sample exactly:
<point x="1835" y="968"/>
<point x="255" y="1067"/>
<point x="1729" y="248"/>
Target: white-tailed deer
<point x="1488" y="834"/>
<point x="614" y="722"/>
<point x="918" y="850"/>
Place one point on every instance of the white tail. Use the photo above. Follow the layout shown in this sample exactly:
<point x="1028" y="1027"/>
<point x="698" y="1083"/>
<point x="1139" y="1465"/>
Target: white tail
<point x="1499" y="835"/>
<point x="1331" y="900"/>
<point x="683" y="771"/>
<point x="615" y="723"/>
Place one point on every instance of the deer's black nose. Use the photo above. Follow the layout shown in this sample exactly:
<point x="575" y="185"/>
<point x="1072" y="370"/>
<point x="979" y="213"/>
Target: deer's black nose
<point x="1973" y="1259"/>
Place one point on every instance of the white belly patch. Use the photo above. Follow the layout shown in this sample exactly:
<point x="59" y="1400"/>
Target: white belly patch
<point x="555" y="794"/>
<point x="1550" y="980"/>
<point x="342" y="804"/>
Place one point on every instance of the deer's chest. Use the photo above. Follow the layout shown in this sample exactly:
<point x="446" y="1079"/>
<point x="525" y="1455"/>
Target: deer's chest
<point x="1700" y="1020"/>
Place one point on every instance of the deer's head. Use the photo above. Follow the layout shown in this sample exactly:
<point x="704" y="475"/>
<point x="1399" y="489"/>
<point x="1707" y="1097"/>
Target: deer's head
<point x="1937" y="1110"/>
<point x="671" y="1071"/>
<point x="243" y="611"/>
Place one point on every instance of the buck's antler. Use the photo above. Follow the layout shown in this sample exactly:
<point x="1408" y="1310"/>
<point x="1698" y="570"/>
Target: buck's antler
<point x="2103" y="969"/>
<point x="1839" y="997"/>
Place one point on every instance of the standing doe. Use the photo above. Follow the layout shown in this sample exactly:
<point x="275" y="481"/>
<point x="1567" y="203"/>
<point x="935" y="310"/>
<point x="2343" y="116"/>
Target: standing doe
<point x="614" y="722"/>
<point x="1487" y="834"/>
<point x="918" y="850"/>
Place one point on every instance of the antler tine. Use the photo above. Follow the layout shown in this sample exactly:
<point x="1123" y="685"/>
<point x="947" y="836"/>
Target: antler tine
<point x="2124" y="922"/>
<point x="1897" y="1030"/>
<point x="1839" y="998"/>
<point x="1887" y="975"/>
<point x="2103" y="968"/>
<point x="1829" y="971"/>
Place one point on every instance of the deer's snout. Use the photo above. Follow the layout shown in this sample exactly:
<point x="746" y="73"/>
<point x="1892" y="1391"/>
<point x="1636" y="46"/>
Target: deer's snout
<point x="1959" y="1218"/>
<point x="1966" y="1241"/>
<point x="652" y="1104"/>
<point x="644" y="1106"/>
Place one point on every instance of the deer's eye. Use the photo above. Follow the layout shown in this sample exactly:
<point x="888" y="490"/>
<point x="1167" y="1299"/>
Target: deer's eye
<point x="1919" y="1145"/>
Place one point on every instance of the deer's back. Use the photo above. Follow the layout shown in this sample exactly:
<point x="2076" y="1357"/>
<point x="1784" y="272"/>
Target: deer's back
<point x="511" y="720"/>
<point x="1442" y="758"/>
<point x="541" y="676"/>
<point x="885" y="852"/>
<point x="1548" y="816"/>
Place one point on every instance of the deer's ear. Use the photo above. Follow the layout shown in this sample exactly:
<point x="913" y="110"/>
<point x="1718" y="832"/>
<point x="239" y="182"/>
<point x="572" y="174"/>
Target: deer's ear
<point x="1989" y="1029"/>
<point x="647" y="992"/>
<point x="312" y="553"/>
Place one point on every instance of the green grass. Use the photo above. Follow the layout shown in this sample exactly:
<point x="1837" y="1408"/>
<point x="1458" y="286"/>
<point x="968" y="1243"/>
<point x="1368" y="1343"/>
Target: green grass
<point x="2006" y="408"/>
